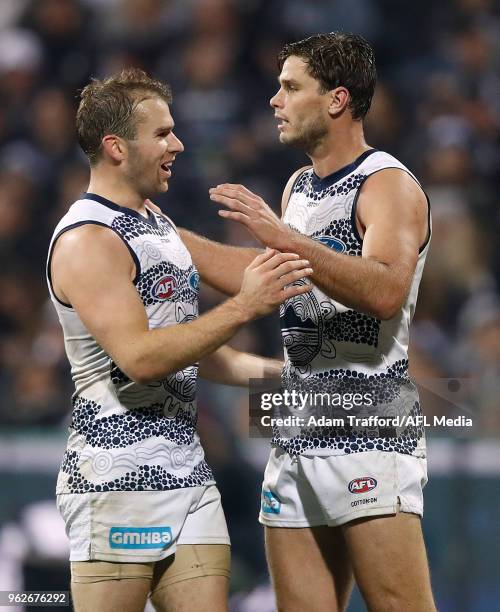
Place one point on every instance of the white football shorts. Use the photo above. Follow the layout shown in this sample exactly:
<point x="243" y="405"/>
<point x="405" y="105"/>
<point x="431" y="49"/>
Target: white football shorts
<point x="141" y="526"/>
<point x="307" y="491"/>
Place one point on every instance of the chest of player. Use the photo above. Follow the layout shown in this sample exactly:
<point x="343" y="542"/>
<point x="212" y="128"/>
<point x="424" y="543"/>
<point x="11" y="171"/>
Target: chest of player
<point x="327" y="216"/>
<point x="165" y="272"/>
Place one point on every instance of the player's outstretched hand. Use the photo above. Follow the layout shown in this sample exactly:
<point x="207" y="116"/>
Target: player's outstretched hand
<point x="267" y="281"/>
<point x="251" y="210"/>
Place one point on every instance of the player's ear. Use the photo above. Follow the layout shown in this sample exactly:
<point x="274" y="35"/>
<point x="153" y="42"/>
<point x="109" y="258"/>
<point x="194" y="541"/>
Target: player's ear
<point x="114" y="147"/>
<point x="339" y="99"/>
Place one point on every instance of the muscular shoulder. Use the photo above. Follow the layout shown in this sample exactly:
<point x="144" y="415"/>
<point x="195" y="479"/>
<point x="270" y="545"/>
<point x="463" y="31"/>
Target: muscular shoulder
<point x="289" y="186"/>
<point x="88" y="249"/>
<point x="90" y="241"/>
<point x="392" y="192"/>
<point x="393" y="180"/>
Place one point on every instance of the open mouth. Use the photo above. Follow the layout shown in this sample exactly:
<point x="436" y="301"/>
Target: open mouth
<point x="167" y="167"/>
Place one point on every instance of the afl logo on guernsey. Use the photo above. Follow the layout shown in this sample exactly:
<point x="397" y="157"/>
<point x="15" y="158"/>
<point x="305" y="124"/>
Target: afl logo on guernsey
<point x="164" y="288"/>
<point x="194" y="281"/>
<point x="362" y="485"/>
<point x="333" y="243"/>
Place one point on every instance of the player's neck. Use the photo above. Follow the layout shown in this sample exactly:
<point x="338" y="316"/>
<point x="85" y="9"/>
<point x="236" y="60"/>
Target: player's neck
<point x="339" y="149"/>
<point x="114" y="188"/>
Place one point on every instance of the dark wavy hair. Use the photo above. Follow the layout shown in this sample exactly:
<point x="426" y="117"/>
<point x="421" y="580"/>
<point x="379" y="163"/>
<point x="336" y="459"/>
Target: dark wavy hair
<point x="107" y="107"/>
<point x="338" y="59"/>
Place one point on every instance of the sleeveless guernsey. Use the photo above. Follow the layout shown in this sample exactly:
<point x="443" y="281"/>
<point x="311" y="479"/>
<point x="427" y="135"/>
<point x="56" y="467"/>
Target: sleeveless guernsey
<point x="125" y="436"/>
<point x="330" y="348"/>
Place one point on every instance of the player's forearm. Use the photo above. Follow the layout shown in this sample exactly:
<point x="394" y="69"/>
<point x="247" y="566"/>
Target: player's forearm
<point x="230" y="367"/>
<point x="248" y="366"/>
<point x="156" y="353"/>
<point x="366" y="285"/>
<point x="221" y="266"/>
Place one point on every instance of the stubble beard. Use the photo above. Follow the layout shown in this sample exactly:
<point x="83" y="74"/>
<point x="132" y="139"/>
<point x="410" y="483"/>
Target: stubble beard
<point x="136" y="174"/>
<point x="309" y="137"/>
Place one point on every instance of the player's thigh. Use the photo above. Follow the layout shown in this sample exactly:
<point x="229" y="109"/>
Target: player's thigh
<point x="390" y="563"/>
<point x="309" y="567"/>
<point x="111" y="595"/>
<point x="194" y="579"/>
<point x="202" y="594"/>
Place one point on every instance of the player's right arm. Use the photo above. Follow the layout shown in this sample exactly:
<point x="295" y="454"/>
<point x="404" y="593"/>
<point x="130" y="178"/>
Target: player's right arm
<point x="228" y="366"/>
<point x="220" y="265"/>
<point x="92" y="270"/>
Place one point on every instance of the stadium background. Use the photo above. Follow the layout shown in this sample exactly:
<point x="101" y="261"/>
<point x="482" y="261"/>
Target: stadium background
<point x="436" y="108"/>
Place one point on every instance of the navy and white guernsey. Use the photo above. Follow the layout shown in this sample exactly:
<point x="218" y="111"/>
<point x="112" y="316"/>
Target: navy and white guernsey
<point x="330" y="348"/>
<point x="125" y="436"/>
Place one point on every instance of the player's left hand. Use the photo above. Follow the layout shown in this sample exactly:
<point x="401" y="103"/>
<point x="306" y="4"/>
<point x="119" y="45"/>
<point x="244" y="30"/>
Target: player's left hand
<point x="251" y="210"/>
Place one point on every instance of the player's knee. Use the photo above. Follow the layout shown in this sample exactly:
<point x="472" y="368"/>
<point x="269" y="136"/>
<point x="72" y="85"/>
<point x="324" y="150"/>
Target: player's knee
<point x="389" y="600"/>
<point x="287" y="602"/>
<point x="298" y="603"/>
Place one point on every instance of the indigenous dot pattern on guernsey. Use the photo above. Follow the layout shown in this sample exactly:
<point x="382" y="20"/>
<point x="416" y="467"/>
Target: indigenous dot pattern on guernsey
<point x="348" y="326"/>
<point x="352" y="326"/>
<point x="118" y="377"/>
<point x="320" y="334"/>
<point x="122" y="430"/>
<point x="181" y="384"/>
<point x="305" y="185"/>
<point x="343" y="439"/>
<point x="146" y="478"/>
<point x="384" y="388"/>
<point x="342" y="230"/>
<point x="130" y="226"/>
<point x="307" y="327"/>
<point x="161" y="414"/>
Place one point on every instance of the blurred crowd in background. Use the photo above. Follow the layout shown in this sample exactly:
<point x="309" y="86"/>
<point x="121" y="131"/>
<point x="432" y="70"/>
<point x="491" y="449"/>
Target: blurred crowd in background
<point x="436" y="108"/>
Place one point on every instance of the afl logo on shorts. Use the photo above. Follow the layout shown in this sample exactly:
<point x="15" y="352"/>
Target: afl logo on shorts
<point x="333" y="243"/>
<point x="164" y="288"/>
<point x="362" y="485"/>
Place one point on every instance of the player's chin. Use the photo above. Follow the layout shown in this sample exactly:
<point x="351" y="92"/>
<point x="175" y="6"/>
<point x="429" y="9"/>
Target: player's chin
<point x="286" y="139"/>
<point x="163" y="186"/>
